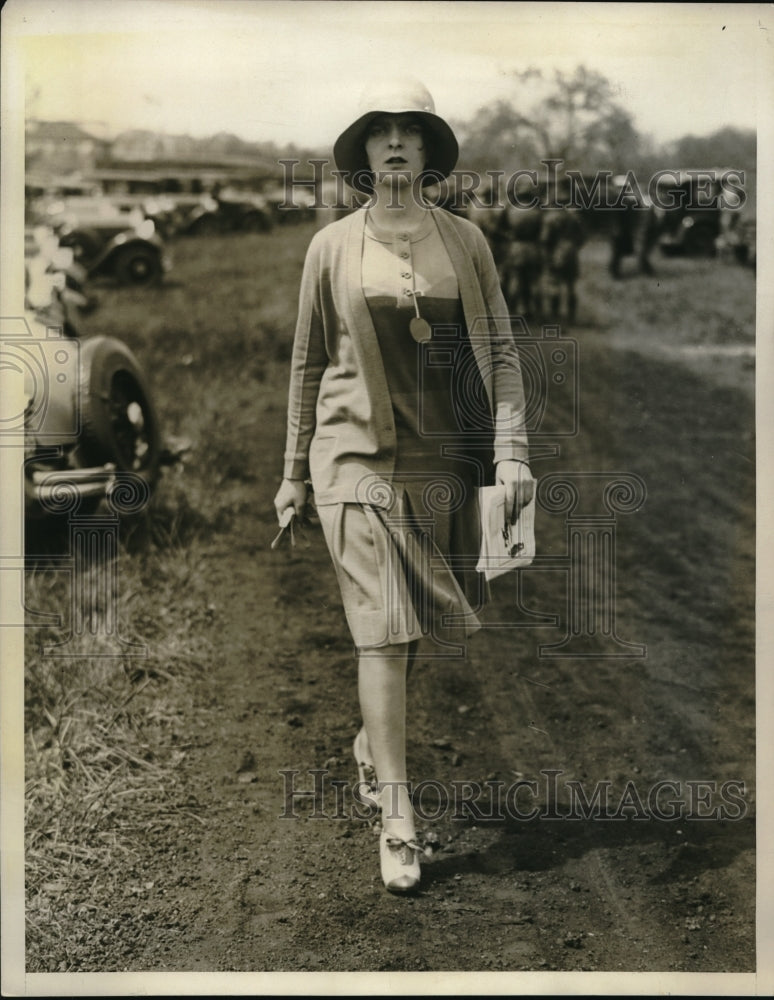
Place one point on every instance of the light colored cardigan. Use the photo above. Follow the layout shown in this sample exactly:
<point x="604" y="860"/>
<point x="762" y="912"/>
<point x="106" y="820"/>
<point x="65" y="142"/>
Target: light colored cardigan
<point x="341" y="430"/>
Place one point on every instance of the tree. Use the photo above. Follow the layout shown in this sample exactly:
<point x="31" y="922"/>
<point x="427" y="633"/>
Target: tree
<point x="727" y="147"/>
<point x="497" y="138"/>
<point x="576" y="119"/>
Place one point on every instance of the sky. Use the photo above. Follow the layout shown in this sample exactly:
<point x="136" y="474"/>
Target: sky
<point x="293" y="71"/>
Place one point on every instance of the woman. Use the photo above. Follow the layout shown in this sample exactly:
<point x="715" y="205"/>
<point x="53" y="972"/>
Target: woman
<point x="405" y="395"/>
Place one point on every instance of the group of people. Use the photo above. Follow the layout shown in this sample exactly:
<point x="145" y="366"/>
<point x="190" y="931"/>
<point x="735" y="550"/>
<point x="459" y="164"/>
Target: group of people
<point x="537" y="253"/>
<point x="537" y="248"/>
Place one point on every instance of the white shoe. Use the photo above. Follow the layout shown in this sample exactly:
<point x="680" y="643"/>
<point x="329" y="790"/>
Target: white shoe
<point x="399" y="861"/>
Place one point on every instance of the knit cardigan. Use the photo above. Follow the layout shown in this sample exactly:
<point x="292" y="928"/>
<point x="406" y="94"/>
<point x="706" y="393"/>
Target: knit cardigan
<point x="340" y="429"/>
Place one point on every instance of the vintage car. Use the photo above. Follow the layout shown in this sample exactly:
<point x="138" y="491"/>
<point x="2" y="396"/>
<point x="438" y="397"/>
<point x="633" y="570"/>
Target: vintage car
<point x="287" y="207"/>
<point x="196" y="215"/>
<point x="88" y="414"/>
<point x="738" y="227"/>
<point x="46" y="264"/>
<point x="738" y="237"/>
<point x="108" y="241"/>
<point x="243" y="211"/>
<point x="690" y="217"/>
<point x="161" y="209"/>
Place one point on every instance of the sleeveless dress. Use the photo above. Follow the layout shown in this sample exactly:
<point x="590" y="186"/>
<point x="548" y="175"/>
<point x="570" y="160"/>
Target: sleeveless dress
<point x="407" y="570"/>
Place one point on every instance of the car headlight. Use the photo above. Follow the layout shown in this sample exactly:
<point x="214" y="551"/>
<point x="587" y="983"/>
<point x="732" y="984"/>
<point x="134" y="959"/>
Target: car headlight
<point x="146" y="229"/>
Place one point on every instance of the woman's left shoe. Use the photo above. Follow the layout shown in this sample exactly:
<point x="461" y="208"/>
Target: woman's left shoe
<point x="399" y="860"/>
<point x="367" y="789"/>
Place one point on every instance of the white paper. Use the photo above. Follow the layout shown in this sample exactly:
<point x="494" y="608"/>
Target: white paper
<point x="504" y="546"/>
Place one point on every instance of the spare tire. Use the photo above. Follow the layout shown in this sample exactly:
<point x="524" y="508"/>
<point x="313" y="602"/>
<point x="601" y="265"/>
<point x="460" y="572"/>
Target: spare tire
<point x="118" y="420"/>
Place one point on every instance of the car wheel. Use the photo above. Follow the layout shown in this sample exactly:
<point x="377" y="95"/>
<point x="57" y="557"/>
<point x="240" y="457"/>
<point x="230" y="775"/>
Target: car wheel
<point x="118" y="420"/>
<point x="138" y="265"/>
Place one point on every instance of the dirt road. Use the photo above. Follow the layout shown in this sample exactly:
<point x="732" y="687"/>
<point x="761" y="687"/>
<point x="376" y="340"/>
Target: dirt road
<point x="585" y="811"/>
<point x="260" y="879"/>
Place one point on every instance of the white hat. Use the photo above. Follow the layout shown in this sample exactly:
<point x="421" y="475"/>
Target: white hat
<point x="407" y="97"/>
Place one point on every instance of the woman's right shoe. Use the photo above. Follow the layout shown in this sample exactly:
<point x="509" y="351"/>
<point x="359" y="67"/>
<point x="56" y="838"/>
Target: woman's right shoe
<point x="367" y="788"/>
<point x="399" y="860"/>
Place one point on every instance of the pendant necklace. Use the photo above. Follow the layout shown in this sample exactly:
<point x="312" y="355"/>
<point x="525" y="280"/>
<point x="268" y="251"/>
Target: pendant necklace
<point x="420" y="328"/>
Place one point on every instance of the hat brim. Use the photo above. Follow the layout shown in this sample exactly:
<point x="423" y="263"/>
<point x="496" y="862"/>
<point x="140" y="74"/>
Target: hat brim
<point x="350" y="155"/>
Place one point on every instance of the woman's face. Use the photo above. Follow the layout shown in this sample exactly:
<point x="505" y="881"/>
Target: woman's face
<point x="395" y="148"/>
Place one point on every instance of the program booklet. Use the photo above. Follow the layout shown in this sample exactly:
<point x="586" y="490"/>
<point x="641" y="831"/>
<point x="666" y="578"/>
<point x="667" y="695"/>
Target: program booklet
<point x="504" y="546"/>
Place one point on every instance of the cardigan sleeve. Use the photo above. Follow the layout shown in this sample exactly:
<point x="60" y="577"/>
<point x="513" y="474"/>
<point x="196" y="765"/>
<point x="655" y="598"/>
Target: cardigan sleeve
<point x="510" y="440"/>
<point x="307" y="365"/>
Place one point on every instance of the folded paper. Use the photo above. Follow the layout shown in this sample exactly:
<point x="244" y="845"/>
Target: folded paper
<point x="504" y="546"/>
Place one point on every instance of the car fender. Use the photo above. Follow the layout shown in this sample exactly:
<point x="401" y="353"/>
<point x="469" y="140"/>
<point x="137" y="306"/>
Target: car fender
<point x="118" y="244"/>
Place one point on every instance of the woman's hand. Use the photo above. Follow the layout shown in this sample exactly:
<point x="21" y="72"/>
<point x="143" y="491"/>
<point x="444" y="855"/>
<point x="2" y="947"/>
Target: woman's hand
<point x="519" y="485"/>
<point x="292" y="493"/>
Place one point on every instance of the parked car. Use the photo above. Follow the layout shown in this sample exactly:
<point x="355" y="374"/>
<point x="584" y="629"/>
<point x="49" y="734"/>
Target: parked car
<point x="46" y="264"/>
<point x="109" y="242"/>
<point x="205" y="215"/>
<point x="738" y="237"/>
<point x="691" y="225"/>
<point x="160" y="209"/>
<point x="738" y="228"/>
<point x="196" y="215"/>
<point x="88" y="413"/>
<point x="291" y="207"/>
<point x="243" y="211"/>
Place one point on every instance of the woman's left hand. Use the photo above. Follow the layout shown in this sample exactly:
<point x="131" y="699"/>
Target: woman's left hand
<point x="519" y="485"/>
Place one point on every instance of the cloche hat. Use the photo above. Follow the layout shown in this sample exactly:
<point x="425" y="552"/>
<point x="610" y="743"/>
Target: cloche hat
<point x="405" y="97"/>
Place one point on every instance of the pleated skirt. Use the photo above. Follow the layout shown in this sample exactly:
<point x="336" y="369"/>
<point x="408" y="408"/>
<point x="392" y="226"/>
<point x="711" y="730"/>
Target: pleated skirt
<point x="407" y="570"/>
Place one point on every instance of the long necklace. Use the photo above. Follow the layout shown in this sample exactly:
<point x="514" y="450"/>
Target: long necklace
<point x="420" y="328"/>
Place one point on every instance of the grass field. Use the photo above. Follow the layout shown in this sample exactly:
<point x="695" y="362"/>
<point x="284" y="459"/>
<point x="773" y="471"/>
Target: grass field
<point x="665" y="394"/>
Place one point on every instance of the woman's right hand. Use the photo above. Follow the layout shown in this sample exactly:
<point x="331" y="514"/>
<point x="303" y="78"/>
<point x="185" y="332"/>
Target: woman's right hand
<point x="292" y="493"/>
